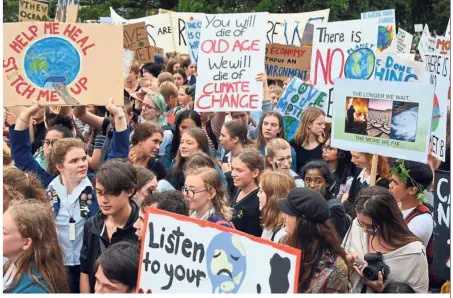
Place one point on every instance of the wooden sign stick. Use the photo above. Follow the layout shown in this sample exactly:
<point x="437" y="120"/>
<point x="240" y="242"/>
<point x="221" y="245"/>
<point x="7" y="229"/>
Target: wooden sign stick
<point x="374" y="164"/>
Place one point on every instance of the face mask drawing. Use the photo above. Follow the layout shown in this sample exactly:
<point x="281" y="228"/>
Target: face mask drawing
<point x="226" y="263"/>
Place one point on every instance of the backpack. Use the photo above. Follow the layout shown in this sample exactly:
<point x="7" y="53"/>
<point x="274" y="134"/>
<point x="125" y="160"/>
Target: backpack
<point x="218" y="219"/>
<point x="419" y="210"/>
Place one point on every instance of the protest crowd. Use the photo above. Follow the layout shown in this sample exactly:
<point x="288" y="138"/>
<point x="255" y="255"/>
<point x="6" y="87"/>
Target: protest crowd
<point x="83" y="182"/>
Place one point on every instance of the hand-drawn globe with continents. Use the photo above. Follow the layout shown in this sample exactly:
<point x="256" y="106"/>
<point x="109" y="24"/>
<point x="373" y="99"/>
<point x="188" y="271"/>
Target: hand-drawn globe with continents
<point x="436" y="115"/>
<point x="360" y="64"/>
<point x="52" y="60"/>
<point x="291" y="124"/>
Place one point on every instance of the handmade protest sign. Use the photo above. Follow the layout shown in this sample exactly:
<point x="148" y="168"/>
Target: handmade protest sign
<point x="447" y="30"/>
<point x="193" y="29"/>
<point x="164" y="11"/>
<point x="185" y="255"/>
<point x="128" y="59"/>
<point x="30" y="11"/>
<point x="67" y="11"/>
<point x="443" y="44"/>
<point x="404" y="40"/>
<point x="418" y="28"/>
<point x="58" y="63"/>
<point x="307" y="37"/>
<point x="178" y="23"/>
<point x="410" y="57"/>
<point x="342" y="49"/>
<point x="297" y="97"/>
<point x="442" y="218"/>
<point x="394" y="68"/>
<point x="437" y="73"/>
<point x="283" y="62"/>
<point x="385" y="118"/>
<point x="232" y="49"/>
<point x="427" y="43"/>
<point x="387" y="29"/>
<point x="135" y="38"/>
<point x="288" y="28"/>
<point x="158" y="28"/>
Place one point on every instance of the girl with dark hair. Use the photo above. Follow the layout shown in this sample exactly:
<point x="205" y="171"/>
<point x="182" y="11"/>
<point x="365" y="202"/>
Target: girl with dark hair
<point x="180" y="77"/>
<point x="317" y="176"/>
<point x="173" y="65"/>
<point x="323" y="268"/>
<point x="343" y="170"/>
<point x="380" y="229"/>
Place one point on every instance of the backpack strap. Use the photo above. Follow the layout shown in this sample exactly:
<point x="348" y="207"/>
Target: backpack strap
<point x="334" y="202"/>
<point x="419" y="210"/>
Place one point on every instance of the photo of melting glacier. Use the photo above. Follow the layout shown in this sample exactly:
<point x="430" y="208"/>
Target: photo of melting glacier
<point x="404" y="121"/>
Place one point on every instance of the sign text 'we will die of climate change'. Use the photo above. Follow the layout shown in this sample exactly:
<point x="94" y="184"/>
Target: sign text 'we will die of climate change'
<point x="232" y="49"/>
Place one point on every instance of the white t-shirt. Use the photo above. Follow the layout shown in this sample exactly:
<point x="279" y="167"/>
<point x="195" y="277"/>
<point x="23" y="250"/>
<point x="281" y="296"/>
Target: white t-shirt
<point x="267" y="234"/>
<point x="421" y="225"/>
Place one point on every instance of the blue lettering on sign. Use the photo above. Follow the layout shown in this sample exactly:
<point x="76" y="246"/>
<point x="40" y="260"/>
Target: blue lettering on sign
<point x="392" y="71"/>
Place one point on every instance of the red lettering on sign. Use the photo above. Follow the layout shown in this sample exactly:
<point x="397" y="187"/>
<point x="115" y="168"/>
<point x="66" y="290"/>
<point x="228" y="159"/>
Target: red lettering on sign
<point x="326" y="66"/>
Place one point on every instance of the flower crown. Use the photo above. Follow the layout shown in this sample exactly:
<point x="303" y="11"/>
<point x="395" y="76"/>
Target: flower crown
<point x="404" y="175"/>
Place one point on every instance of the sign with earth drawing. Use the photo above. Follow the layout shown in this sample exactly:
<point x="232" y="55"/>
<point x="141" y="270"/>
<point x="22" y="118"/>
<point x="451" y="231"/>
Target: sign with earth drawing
<point x="437" y="73"/>
<point x="58" y="63"/>
<point x="342" y="50"/>
<point x="297" y="97"/>
<point x="386" y="38"/>
<point x="385" y="118"/>
<point x="180" y="254"/>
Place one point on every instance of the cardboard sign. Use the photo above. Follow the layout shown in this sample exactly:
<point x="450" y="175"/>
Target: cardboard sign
<point x="184" y="255"/>
<point x="232" y="49"/>
<point x="128" y="59"/>
<point x="385" y="118"/>
<point x="158" y="28"/>
<point x="59" y="63"/>
<point x="288" y="28"/>
<point x="418" y="28"/>
<point x="178" y="24"/>
<point x="342" y="49"/>
<point x="283" y="62"/>
<point x="437" y="73"/>
<point x="30" y="11"/>
<point x="442" y="219"/>
<point x="135" y="38"/>
<point x="67" y="11"/>
<point x="397" y="69"/>
<point x="404" y="40"/>
<point x="387" y="29"/>
<point x="297" y="97"/>
<point x="193" y="29"/>
<point x="307" y="38"/>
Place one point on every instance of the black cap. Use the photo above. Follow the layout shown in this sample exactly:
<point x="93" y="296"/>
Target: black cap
<point x="304" y="202"/>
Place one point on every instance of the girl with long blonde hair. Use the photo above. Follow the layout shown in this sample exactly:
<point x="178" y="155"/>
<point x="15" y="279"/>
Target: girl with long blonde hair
<point x="35" y="259"/>
<point x="309" y="137"/>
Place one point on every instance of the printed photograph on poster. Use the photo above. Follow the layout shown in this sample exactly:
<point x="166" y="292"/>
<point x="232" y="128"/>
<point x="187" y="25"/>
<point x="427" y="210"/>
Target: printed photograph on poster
<point x="386" y="38"/>
<point x="383" y="118"/>
<point x="342" y="50"/>
<point x="297" y="97"/>
<point x="180" y="254"/>
<point x="392" y="67"/>
<point x="283" y="62"/>
<point x="231" y="54"/>
<point x="58" y="63"/>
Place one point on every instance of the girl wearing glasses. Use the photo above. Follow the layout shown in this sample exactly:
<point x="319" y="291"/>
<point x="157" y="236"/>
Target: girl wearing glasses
<point x="309" y="137"/>
<point x="380" y="228"/>
<point x="207" y="197"/>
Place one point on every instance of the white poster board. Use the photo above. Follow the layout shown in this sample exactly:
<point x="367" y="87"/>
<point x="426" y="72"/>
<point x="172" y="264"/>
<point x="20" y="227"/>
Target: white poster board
<point x="427" y="43"/>
<point x="288" y="28"/>
<point x="397" y="69"/>
<point x="386" y="37"/>
<point x="437" y="73"/>
<point x="231" y="54"/>
<point x="185" y="255"/>
<point x="178" y="24"/>
<point x="342" y="49"/>
<point x="404" y="40"/>
<point x="385" y="118"/>
<point x="418" y="28"/>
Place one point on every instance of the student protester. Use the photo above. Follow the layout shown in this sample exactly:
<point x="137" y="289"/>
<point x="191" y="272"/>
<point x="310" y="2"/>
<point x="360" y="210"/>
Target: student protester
<point x="7" y="158"/>
<point x="173" y="65"/>
<point x="151" y="71"/>
<point x="35" y="259"/>
<point x="273" y="186"/>
<point x="189" y="68"/>
<point x="362" y="178"/>
<point x="380" y="229"/>
<point x="275" y="92"/>
<point x="398" y="287"/>
<point x="279" y="157"/>
<point x="165" y="77"/>
<point x="116" y="270"/>
<point x="131" y="84"/>
<point x="115" y="183"/>
<point x="323" y="268"/>
<point x="18" y="185"/>
<point x="73" y="201"/>
<point x="246" y="169"/>
<point x="180" y="78"/>
<point x="169" y="91"/>
<point x="309" y="137"/>
<point x="343" y="170"/>
<point x="317" y="176"/>
<point x="145" y="146"/>
<point x="20" y="141"/>
<point x="206" y="196"/>
<point x="171" y="201"/>
<point x="211" y="124"/>
<point x="185" y="98"/>
<point x="147" y="183"/>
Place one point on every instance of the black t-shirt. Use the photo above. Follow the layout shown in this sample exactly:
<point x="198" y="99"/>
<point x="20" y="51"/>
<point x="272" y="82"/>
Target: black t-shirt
<point x="157" y="167"/>
<point x="303" y="156"/>
<point x="246" y="216"/>
<point x="40" y="135"/>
